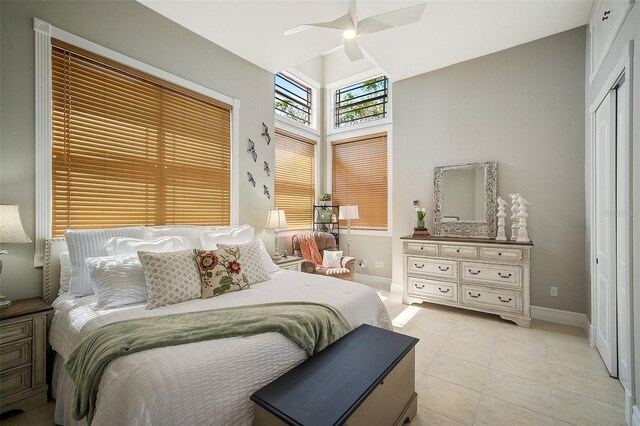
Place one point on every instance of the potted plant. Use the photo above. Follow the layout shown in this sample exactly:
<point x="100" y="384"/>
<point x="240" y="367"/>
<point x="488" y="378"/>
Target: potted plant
<point x="420" y="214"/>
<point x="325" y="198"/>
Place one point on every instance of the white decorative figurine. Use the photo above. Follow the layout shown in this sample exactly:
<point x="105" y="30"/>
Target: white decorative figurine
<point x="501" y="236"/>
<point x="523" y="236"/>
<point x="514" y="215"/>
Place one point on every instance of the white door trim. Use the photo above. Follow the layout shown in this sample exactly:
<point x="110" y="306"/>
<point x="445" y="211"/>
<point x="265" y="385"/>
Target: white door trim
<point x="624" y="66"/>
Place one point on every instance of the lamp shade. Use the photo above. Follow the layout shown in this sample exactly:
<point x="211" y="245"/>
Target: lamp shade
<point x="276" y="219"/>
<point x="11" y="230"/>
<point x="349" y="212"/>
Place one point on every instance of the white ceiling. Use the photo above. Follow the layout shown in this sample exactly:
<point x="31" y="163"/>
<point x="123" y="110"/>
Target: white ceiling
<point x="450" y="31"/>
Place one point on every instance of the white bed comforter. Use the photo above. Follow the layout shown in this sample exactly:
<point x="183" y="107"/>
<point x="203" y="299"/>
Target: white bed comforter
<point x="204" y="383"/>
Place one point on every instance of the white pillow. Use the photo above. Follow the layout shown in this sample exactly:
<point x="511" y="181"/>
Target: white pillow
<point x="189" y="232"/>
<point x="117" y="280"/>
<point x="266" y="258"/>
<point x="65" y="272"/>
<point x="242" y="234"/>
<point x="331" y="259"/>
<point x="83" y="244"/>
<point x="121" y="246"/>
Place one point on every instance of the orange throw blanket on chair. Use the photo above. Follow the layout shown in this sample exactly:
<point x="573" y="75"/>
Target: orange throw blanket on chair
<point x="309" y="248"/>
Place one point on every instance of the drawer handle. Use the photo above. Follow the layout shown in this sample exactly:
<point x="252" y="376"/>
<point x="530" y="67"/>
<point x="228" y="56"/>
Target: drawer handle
<point x="418" y="287"/>
<point x="499" y="253"/>
<point x="418" y="266"/>
<point x="476" y="296"/>
<point x="421" y="248"/>
<point x="474" y="273"/>
<point x="443" y="269"/>
<point x="504" y="276"/>
<point x="504" y="301"/>
<point x="457" y="250"/>
<point x="444" y="291"/>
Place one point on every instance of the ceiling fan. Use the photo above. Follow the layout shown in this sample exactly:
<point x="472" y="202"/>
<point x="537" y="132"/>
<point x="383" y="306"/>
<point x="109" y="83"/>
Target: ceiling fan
<point x="352" y="28"/>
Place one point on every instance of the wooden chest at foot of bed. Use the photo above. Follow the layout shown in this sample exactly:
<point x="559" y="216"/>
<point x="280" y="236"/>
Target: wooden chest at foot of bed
<point x="365" y="378"/>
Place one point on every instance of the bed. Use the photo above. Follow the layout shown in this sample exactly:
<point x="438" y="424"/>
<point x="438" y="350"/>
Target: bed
<point x="203" y="383"/>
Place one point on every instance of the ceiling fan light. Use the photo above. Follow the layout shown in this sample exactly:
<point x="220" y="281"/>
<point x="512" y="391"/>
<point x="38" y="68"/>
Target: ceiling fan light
<point x="349" y="34"/>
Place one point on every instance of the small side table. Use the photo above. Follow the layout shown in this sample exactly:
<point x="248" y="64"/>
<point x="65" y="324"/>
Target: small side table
<point x="291" y="263"/>
<point x="23" y="346"/>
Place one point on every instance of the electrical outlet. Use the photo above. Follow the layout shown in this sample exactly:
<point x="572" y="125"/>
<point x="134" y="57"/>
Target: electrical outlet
<point x="379" y="265"/>
<point x="363" y="264"/>
<point x="416" y="203"/>
<point x="554" y="291"/>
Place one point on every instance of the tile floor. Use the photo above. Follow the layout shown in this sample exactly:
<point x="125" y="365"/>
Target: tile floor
<point x="477" y="369"/>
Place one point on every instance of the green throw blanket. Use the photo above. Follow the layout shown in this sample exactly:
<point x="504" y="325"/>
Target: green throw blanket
<point x="313" y="326"/>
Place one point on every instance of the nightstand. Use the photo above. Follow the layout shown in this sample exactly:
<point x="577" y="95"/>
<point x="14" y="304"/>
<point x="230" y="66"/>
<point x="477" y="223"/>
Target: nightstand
<point x="23" y="344"/>
<point x="291" y="263"/>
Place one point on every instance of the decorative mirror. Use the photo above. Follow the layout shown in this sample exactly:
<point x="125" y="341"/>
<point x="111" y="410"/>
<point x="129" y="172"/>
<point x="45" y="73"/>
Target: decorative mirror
<point x="465" y="200"/>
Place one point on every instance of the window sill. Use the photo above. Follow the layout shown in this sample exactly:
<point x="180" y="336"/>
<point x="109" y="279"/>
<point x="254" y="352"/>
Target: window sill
<point x="287" y="124"/>
<point x="367" y="232"/>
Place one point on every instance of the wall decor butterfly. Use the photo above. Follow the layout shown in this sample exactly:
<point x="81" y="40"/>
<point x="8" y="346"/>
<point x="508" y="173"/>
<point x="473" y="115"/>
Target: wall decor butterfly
<point x="252" y="181"/>
<point x="252" y="150"/>
<point x="265" y="133"/>
<point x="266" y="168"/>
<point x="266" y="191"/>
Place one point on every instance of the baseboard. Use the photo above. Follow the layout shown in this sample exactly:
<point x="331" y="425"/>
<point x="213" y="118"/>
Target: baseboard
<point x="629" y="406"/>
<point x="373" y="281"/>
<point x="635" y="418"/>
<point x="575" y="319"/>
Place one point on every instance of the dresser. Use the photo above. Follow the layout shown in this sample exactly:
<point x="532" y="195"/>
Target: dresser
<point x="478" y="274"/>
<point x="23" y="342"/>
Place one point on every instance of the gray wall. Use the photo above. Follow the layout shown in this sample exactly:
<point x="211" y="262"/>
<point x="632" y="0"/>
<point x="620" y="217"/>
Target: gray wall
<point x="522" y="107"/>
<point x="136" y="31"/>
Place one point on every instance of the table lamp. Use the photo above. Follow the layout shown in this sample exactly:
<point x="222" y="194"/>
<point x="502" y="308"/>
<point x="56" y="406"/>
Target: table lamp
<point x="11" y="231"/>
<point x="348" y="213"/>
<point x="276" y="220"/>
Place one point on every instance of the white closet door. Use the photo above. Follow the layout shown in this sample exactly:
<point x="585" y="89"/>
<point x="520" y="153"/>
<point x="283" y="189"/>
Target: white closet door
<point x="606" y="321"/>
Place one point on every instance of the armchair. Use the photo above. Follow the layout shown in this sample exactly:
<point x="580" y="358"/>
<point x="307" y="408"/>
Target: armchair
<point x="325" y="241"/>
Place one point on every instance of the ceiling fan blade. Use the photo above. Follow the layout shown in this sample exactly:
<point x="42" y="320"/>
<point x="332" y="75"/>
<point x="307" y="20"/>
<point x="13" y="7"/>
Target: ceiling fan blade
<point x="395" y="18"/>
<point x="353" y="13"/>
<point x="352" y="49"/>
<point x="342" y="23"/>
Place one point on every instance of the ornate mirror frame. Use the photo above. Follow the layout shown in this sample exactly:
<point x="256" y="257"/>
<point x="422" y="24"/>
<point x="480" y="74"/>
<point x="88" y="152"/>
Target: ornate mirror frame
<point x="467" y="228"/>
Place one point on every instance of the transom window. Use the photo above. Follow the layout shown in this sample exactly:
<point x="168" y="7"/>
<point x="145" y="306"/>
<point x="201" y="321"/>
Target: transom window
<point x="292" y="99"/>
<point x="362" y="102"/>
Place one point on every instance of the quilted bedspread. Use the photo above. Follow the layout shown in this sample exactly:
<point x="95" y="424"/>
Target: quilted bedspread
<point x="203" y="383"/>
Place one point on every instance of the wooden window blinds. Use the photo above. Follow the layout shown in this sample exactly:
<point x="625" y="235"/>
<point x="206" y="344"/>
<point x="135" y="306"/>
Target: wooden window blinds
<point x="360" y="178"/>
<point x="295" y="178"/>
<point x="130" y="149"/>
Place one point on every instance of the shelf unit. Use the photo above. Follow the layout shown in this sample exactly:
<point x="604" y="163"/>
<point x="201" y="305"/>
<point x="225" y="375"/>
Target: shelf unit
<point x="325" y="219"/>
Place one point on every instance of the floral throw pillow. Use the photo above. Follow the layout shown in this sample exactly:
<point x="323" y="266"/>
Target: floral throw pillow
<point x="221" y="271"/>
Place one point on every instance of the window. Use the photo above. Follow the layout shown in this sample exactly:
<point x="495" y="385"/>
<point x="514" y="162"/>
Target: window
<point x="362" y="102"/>
<point x="292" y="99"/>
<point x="131" y="149"/>
<point x="295" y="178"/>
<point x="360" y="178"/>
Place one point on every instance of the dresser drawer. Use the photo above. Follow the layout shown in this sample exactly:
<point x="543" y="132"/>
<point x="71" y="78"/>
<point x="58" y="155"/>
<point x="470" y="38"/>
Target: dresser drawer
<point x="496" y="253"/>
<point x="427" y="249"/>
<point x="15" y="381"/>
<point x="15" y="331"/>
<point x="493" y="299"/>
<point x="443" y="269"/>
<point x="458" y="251"/>
<point x="501" y="275"/>
<point x="15" y="354"/>
<point x="432" y="289"/>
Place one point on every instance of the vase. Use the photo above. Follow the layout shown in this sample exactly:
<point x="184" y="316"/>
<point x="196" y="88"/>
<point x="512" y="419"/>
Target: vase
<point x="420" y="223"/>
